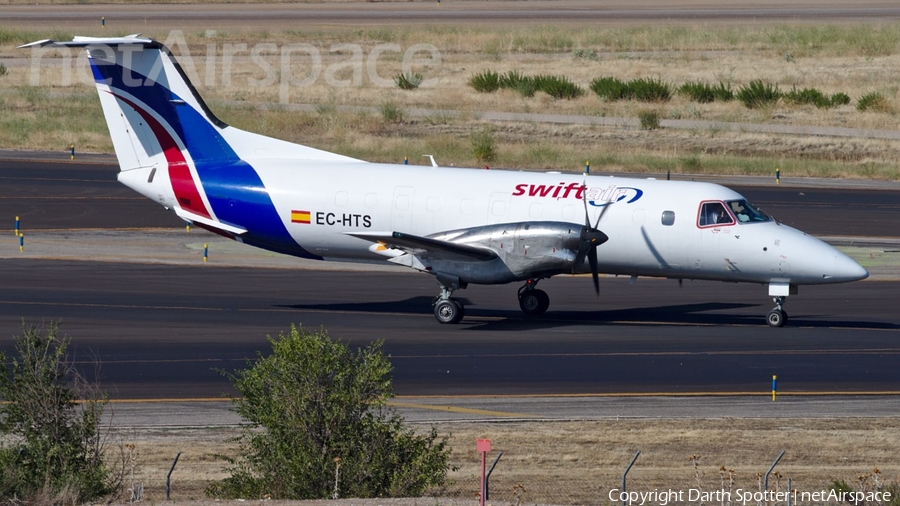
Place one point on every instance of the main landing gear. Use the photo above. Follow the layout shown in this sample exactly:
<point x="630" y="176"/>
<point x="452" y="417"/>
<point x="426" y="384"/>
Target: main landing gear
<point x="533" y="301"/>
<point x="777" y="317"/>
<point x="447" y="310"/>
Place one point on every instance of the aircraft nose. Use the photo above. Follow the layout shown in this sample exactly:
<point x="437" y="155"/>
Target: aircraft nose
<point x="846" y="269"/>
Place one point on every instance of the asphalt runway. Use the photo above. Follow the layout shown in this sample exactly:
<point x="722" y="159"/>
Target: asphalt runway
<point x="161" y="331"/>
<point x="64" y="195"/>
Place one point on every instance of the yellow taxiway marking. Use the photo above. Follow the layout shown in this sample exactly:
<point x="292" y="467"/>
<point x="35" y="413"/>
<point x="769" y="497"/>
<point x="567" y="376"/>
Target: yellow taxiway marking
<point x="164" y="400"/>
<point x="456" y="409"/>
<point x="653" y="394"/>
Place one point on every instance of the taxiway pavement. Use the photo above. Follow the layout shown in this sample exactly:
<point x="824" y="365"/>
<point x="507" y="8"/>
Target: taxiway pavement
<point x="130" y="288"/>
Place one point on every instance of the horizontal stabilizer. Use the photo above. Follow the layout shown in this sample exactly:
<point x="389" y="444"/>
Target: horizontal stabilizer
<point x="93" y="41"/>
<point x="208" y="223"/>
<point x="428" y="248"/>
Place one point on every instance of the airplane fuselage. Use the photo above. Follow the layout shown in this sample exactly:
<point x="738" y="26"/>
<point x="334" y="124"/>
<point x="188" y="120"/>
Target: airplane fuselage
<point x="463" y="226"/>
<point x="322" y="203"/>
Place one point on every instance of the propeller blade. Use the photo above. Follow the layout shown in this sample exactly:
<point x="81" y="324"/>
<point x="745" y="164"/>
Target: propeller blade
<point x="602" y="212"/>
<point x="583" y="248"/>
<point x="587" y="217"/>
<point x="592" y="258"/>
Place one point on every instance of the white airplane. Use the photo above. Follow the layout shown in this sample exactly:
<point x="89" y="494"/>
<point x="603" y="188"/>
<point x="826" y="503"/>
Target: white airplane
<point x="463" y="226"/>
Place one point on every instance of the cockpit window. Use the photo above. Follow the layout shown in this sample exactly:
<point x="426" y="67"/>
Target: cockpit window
<point x="745" y="212"/>
<point x="714" y="213"/>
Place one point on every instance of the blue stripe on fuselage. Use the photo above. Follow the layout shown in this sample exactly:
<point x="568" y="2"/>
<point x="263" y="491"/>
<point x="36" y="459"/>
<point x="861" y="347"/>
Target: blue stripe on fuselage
<point x="233" y="187"/>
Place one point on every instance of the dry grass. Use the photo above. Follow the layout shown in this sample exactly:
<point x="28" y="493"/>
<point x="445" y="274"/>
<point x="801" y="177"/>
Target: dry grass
<point x="856" y="59"/>
<point x="579" y="462"/>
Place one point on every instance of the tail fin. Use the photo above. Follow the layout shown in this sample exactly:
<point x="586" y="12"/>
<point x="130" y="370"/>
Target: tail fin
<point x="153" y="111"/>
<point x="172" y="148"/>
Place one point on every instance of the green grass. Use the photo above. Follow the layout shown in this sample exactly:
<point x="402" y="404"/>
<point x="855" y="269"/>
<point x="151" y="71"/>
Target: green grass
<point x="610" y="88"/>
<point x="647" y="89"/>
<point x="812" y="96"/>
<point x="808" y="96"/>
<point x="408" y="81"/>
<point x="485" y="82"/>
<point x="644" y="89"/>
<point x="705" y="93"/>
<point x="483" y="148"/>
<point x="649" y="120"/>
<point x="556" y="86"/>
<point x="390" y="112"/>
<point x="873" y="101"/>
<point x="758" y="94"/>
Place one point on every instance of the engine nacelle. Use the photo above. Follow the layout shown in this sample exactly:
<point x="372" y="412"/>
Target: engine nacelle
<point x="524" y="251"/>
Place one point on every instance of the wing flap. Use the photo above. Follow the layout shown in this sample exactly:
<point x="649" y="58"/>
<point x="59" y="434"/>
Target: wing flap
<point x="427" y="247"/>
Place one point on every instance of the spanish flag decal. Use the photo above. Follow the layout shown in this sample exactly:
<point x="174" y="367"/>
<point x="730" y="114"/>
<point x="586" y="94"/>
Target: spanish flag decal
<point x="300" y="217"/>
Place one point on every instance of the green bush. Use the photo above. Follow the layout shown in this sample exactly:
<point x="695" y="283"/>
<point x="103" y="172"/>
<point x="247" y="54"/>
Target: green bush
<point x="840" y="98"/>
<point x="318" y="427"/>
<point x="3" y="70"/>
<point x="808" y="96"/>
<point x="650" y="90"/>
<point x="649" y="120"/>
<point x="408" y="81"/>
<point x="706" y="93"/>
<point x="483" y="145"/>
<point x="758" y="94"/>
<point x="610" y="89"/>
<point x="872" y="101"/>
<point x="586" y="54"/>
<point x="390" y="113"/>
<point x="557" y="86"/>
<point x="485" y="82"/>
<point x="643" y="89"/>
<point x="513" y="80"/>
<point x="59" y="448"/>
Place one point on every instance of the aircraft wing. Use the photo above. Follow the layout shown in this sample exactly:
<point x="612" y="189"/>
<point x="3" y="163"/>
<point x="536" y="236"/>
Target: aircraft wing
<point x="426" y="247"/>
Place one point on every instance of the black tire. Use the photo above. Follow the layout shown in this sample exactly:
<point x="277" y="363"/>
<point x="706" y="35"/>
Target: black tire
<point x="534" y="302"/>
<point x="776" y="318"/>
<point x="448" y="311"/>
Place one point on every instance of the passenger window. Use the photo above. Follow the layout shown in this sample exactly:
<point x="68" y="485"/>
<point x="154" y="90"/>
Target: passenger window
<point x="714" y="213"/>
<point x="668" y="218"/>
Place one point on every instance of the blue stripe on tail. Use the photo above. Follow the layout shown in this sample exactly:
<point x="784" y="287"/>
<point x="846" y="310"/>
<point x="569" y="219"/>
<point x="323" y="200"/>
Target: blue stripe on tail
<point x="232" y="186"/>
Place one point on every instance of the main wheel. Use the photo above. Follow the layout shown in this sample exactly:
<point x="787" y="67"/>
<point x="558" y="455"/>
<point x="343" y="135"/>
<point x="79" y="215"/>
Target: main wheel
<point x="776" y="318"/>
<point x="534" y="302"/>
<point x="448" y="311"/>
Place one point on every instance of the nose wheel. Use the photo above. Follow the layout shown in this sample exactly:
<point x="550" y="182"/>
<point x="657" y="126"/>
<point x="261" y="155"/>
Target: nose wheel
<point x="533" y="301"/>
<point x="777" y="317"/>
